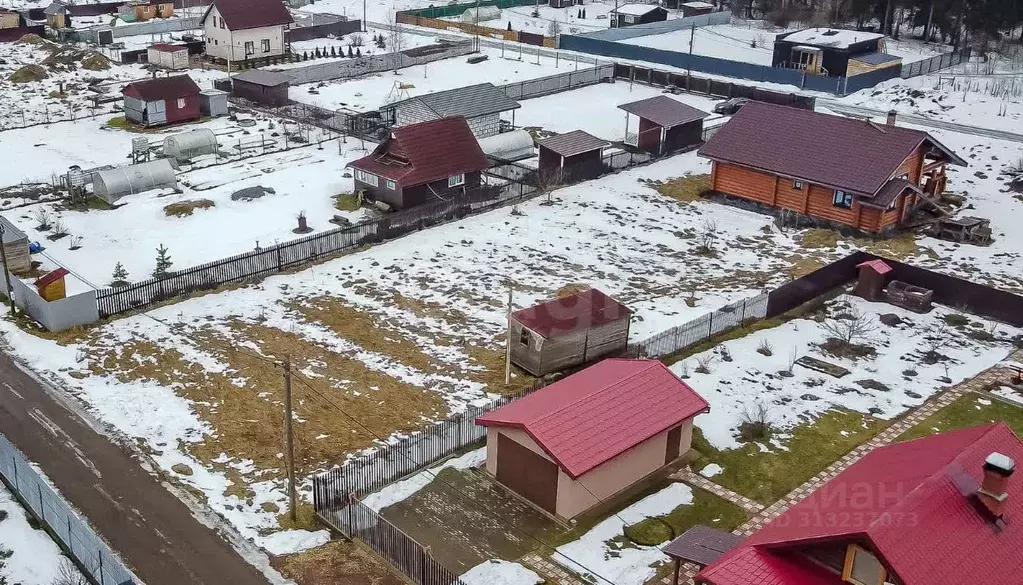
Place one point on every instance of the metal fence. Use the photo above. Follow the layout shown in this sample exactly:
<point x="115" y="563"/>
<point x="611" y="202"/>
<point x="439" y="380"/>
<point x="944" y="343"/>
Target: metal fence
<point x="559" y="82"/>
<point x="365" y="474"/>
<point x="264" y="262"/>
<point x="377" y="63"/>
<point x="659" y="28"/>
<point x="700" y="329"/>
<point x="935" y="63"/>
<point x="710" y="87"/>
<point x="70" y="531"/>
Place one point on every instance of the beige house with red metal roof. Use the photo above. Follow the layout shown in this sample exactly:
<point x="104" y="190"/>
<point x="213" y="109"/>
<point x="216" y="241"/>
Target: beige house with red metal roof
<point x="239" y="30"/>
<point x="593" y="435"/>
<point x="568" y="331"/>
<point x="835" y="170"/>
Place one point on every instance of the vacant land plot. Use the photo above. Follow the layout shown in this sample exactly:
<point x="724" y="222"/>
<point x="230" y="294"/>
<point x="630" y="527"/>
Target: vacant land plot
<point x="568" y="21"/>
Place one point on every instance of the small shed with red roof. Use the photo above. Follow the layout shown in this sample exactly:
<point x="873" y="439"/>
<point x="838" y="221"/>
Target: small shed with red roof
<point x="568" y="331"/>
<point x="939" y="509"/>
<point x="872" y="277"/>
<point x="168" y="55"/>
<point x="593" y="435"/>
<point x="51" y="285"/>
<point x="422" y="163"/>
<point x="161" y="100"/>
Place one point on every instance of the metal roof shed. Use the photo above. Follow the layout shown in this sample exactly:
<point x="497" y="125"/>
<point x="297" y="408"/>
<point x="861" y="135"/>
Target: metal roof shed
<point x="481" y="105"/>
<point x="665" y="124"/>
<point x="572" y="156"/>
<point x="263" y="87"/>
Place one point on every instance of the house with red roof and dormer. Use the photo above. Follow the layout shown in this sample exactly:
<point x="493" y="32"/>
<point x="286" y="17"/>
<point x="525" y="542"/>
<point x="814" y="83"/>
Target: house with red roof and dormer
<point x="933" y="511"/>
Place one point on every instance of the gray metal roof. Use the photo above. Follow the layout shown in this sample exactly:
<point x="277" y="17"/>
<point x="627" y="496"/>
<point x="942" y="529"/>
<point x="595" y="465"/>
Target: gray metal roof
<point x="469" y="102"/>
<point x="11" y="233"/>
<point x="573" y="143"/>
<point x="264" y="78"/>
<point x="664" y="111"/>
<point x="876" y="58"/>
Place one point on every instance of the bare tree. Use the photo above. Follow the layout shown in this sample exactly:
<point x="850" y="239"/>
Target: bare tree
<point x="396" y="40"/>
<point x="547" y="182"/>
<point x="68" y="574"/>
<point x="850" y="327"/>
<point x="554" y="29"/>
<point x="755" y="422"/>
<point x="708" y="235"/>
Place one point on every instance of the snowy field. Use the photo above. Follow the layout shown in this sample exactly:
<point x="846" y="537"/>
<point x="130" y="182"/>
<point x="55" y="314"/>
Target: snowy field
<point x="373" y="91"/>
<point x="567" y="19"/>
<point x="914" y="359"/>
<point x="28" y="556"/>
<point x="595" y="109"/>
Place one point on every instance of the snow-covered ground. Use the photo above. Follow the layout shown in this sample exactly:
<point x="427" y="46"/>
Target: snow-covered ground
<point x="900" y="376"/>
<point x="567" y="19"/>
<point x="599" y="555"/>
<point x="373" y="91"/>
<point x="305" y="179"/>
<point x="595" y="109"/>
<point x="28" y="556"/>
<point x="496" y="572"/>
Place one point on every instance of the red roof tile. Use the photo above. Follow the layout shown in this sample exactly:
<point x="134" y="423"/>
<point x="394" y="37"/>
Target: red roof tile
<point x="913" y="503"/>
<point x="245" y="14"/>
<point x="834" y="151"/>
<point x="594" y="415"/>
<point x="162" y="88"/>
<point x="422" y="153"/>
<point x="51" y="277"/>
<point x="879" y="266"/>
<point x="564" y="315"/>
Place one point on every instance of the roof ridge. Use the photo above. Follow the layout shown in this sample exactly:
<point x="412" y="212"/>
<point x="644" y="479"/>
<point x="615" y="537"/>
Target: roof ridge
<point x="604" y="386"/>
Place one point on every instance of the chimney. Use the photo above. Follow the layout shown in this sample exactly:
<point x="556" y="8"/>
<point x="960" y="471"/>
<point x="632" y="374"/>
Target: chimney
<point x="891" y="117"/>
<point x="993" y="490"/>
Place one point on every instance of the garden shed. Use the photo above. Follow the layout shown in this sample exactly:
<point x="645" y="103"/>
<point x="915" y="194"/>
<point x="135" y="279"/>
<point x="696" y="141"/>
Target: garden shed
<point x="188" y="145"/>
<point x="568" y="331"/>
<point x="213" y="102"/>
<point x="15" y="244"/>
<point x="161" y="100"/>
<point x="262" y="87"/>
<point x="572" y="156"/>
<point x="665" y="124"/>
<point x="481" y="14"/>
<point x="112" y="184"/>
<point x="168" y="56"/>
<point x="593" y="435"/>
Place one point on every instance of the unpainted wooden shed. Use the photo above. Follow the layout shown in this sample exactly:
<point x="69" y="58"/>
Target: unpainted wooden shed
<point x="568" y="331"/>
<point x="15" y="244"/>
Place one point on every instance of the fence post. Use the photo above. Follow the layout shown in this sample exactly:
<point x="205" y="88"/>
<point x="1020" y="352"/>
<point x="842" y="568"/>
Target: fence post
<point x="710" y="327"/>
<point x="70" y="541"/>
<point x="42" y="509"/>
<point x="99" y="554"/>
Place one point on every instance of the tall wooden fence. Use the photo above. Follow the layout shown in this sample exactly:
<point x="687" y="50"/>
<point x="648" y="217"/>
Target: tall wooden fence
<point x="264" y="262"/>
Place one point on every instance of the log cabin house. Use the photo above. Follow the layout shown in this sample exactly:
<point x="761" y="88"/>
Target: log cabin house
<point x="836" y="171"/>
<point x="568" y="331"/>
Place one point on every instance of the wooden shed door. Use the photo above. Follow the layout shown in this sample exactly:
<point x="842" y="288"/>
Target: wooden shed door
<point x="674" y="440"/>
<point x="527" y="473"/>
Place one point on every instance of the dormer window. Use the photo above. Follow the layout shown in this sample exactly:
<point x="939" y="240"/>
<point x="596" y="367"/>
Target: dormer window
<point x="862" y="568"/>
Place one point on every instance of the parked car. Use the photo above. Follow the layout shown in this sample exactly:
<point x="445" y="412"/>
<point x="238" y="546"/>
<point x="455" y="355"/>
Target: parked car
<point x="730" y="106"/>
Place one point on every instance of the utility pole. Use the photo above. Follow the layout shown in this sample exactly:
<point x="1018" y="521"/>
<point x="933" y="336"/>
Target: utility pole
<point x="289" y="438"/>
<point x="508" y="342"/>
<point x="364" y="16"/>
<point x="10" y="291"/>
<point x="692" y="33"/>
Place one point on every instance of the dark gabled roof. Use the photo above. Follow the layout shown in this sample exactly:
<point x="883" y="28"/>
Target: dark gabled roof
<point x="262" y="78"/>
<point x="914" y="502"/>
<point x="592" y="416"/>
<point x="636" y="9"/>
<point x="468" y="102"/>
<point x="664" y="111"/>
<point x="853" y="155"/>
<point x="573" y="143"/>
<point x="426" y="152"/>
<point x="168" y="47"/>
<point x="571" y="313"/>
<point x="891" y="190"/>
<point x="701" y="545"/>
<point x="244" y="14"/>
<point x="162" y="88"/>
<point x="875" y="58"/>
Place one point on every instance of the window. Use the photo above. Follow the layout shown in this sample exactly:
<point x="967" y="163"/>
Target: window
<point x="797" y="185"/>
<point x="367" y="178"/>
<point x="456" y="180"/>
<point x="215" y="42"/>
<point x="524" y="337"/>
<point x="862" y="568"/>
<point x="221" y="22"/>
<point x="266" y="45"/>
<point x="181" y="103"/>
<point x="391" y="185"/>
<point x="250" y="48"/>
<point x="843" y="199"/>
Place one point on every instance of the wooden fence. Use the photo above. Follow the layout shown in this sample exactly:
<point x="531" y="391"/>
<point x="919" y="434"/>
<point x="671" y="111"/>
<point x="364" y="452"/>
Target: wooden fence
<point x="264" y="262"/>
<point x="410" y="18"/>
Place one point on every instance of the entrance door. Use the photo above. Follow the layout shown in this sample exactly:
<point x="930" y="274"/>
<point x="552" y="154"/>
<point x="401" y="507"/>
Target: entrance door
<point x="527" y="473"/>
<point x="671" y="451"/>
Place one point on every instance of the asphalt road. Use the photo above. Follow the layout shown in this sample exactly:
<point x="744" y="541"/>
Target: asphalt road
<point x="155" y="533"/>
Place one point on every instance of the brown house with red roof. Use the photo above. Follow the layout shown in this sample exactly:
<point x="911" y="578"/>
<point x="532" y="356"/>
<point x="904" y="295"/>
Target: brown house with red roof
<point x="422" y="163"/>
<point x="936" y="510"/>
<point x="593" y="435"/>
<point x="835" y="170"/>
<point x="568" y="331"/>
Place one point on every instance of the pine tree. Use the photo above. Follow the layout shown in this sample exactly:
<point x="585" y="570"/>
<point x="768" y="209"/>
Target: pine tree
<point x="163" y="263"/>
<point x="509" y="25"/>
<point x="358" y="52"/>
<point x="305" y="55"/>
<point x="584" y="13"/>
<point x="317" y="53"/>
<point x="120" y="277"/>
<point x="350" y="52"/>
<point x="333" y="51"/>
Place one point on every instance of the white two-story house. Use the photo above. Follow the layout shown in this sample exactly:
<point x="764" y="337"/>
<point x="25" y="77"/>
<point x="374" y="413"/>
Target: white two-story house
<point x="237" y="30"/>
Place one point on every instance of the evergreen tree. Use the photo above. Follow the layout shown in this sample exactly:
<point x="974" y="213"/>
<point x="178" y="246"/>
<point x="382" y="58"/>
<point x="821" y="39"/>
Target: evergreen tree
<point x="163" y="263"/>
<point x="358" y="52"/>
<point x="350" y="52"/>
<point x="333" y="51"/>
<point x="305" y="55"/>
<point x="317" y="53"/>
<point x="509" y="25"/>
<point x="120" y="277"/>
<point x="584" y="13"/>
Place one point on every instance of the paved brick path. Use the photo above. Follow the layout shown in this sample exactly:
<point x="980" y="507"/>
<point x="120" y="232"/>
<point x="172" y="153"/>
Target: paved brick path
<point x="557" y="575"/>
